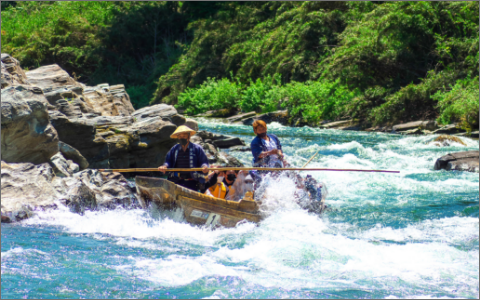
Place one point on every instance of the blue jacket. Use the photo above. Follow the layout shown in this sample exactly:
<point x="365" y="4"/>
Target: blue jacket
<point x="258" y="146"/>
<point x="198" y="158"/>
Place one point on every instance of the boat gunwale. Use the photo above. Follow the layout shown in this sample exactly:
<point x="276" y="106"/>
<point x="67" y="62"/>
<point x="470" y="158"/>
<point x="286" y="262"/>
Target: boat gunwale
<point x="182" y="191"/>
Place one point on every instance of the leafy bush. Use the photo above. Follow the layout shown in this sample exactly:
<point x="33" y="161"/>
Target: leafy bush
<point x="460" y="103"/>
<point x="315" y="101"/>
<point x="210" y="95"/>
<point x="261" y="95"/>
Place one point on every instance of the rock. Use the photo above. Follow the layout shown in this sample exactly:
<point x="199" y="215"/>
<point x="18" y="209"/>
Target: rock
<point x="159" y="110"/>
<point x="49" y="77"/>
<point x="386" y="128"/>
<point x="6" y="219"/>
<point x="473" y="134"/>
<point x="192" y="124"/>
<point x="12" y="73"/>
<point x="81" y="198"/>
<point x="109" y="100"/>
<point x="225" y="159"/>
<point x="448" y="129"/>
<point x="73" y="154"/>
<point x="68" y="100"/>
<point x="339" y="124"/>
<point x="111" y="189"/>
<point x="239" y="117"/>
<point x="219" y="113"/>
<point x="228" y="142"/>
<point x="460" y="161"/>
<point x="429" y="125"/>
<point x="25" y="188"/>
<point x="280" y="116"/>
<point x="27" y="135"/>
<point x="414" y="131"/>
<point x="60" y="165"/>
<point x="447" y="140"/>
<point x="240" y="148"/>
<point x="205" y="135"/>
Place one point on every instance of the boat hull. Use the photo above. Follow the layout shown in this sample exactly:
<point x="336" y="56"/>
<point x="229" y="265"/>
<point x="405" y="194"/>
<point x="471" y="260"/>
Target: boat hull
<point x="198" y="209"/>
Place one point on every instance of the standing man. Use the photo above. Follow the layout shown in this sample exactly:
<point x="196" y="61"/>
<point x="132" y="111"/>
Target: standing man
<point x="266" y="148"/>
<point x="185" y="155"/>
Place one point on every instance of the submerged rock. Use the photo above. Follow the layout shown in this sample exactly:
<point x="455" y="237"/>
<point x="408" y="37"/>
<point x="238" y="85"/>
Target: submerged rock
<point x="460" y="161"/>
<point x="447" y="140"/>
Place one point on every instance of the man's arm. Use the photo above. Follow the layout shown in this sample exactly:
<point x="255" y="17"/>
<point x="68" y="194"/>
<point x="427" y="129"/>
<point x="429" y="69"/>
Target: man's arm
<point x="169" y="160"/>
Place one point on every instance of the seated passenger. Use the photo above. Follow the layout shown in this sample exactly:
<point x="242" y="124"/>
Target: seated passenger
<point x="216" y="186"/>
<point x="219" y="181"/>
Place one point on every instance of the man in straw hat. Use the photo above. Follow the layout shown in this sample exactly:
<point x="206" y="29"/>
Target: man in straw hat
<point x="185" y="155"/>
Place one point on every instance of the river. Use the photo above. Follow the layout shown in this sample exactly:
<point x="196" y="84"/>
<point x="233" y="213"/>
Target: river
<point x="408" y="235"/>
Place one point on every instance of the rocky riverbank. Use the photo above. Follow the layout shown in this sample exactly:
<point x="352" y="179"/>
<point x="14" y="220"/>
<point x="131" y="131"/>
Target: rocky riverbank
<point x="56" y="133"/>
<point x="420" y="127"/>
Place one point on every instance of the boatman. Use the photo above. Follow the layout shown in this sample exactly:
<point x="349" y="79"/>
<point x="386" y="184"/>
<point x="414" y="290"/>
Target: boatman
<point x="185" y="155"/>
<point x="266" y="147"/>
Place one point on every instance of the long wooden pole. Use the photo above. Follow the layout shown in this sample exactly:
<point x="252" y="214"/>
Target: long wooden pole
<point x="310" y="159"/>
<point x="242" y="169"/>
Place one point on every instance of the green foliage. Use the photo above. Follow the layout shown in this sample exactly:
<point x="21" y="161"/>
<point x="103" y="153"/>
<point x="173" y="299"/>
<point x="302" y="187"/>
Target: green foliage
<point x="315" y="101"/>
<point x="116" y="42"/>
<point x="459" y="103"/>
<point x="210" y="95"/>
<point x="382" y="62"/>
<point x="261" y="95"/>
<point x="392" y="56"/>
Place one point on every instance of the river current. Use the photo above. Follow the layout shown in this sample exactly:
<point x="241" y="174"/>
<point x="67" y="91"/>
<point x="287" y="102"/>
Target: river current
<point x="408" y="235"/>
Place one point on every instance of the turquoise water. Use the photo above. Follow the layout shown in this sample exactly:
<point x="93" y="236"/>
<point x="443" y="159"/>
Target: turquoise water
<point x="408" y="235"/>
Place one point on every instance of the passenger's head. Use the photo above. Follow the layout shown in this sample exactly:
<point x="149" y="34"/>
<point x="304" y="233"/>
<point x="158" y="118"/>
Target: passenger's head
<point x="260" y="128"/>
<point x="231" y="176"/>
<point x="220" y="176"/>
<point x="249" y="183"/>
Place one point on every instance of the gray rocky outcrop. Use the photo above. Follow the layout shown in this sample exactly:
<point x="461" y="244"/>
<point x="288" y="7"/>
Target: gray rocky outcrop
<point x="12" y="73"/>
<point x="73" y="154"/>
<point x="28" y="188"/>
<point x="280" y="116"/>
<point x="109" y="100"/>
<point x="27" y="134"/>
<point x="55" y="128"/>
<point x="460" y="161"/>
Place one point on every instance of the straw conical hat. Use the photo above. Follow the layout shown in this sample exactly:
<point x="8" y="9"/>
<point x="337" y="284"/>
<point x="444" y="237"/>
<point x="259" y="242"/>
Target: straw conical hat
<point x="182" y="129"/>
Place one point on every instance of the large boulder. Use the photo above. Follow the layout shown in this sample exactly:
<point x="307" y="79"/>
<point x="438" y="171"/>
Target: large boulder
<point x="460" y="161"/>
<point x="27" y="188"/>
<point x="280" y="116"/>
<point x="27" y="135"/>
<point x="109" y="100"/>
<point x="73" y="154"/>
<point x="49" y="77"/>
<point x="12" y="73"/>
<point x="422" y="125"/>
<point x="163" y="111"/>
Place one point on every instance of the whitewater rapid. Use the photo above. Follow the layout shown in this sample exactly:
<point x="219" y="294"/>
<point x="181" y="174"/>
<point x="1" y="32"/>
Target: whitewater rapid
<point x="408" y="235"/>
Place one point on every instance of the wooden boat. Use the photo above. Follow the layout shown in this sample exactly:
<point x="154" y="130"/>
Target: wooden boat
<point x="198" y="209"/>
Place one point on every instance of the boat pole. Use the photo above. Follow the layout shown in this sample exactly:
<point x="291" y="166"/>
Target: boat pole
<point x="310" y="159"/>
<point x="242" y="169"/>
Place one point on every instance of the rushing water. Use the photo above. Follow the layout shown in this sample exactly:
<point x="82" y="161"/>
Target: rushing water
<point x="408" y="235"/>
